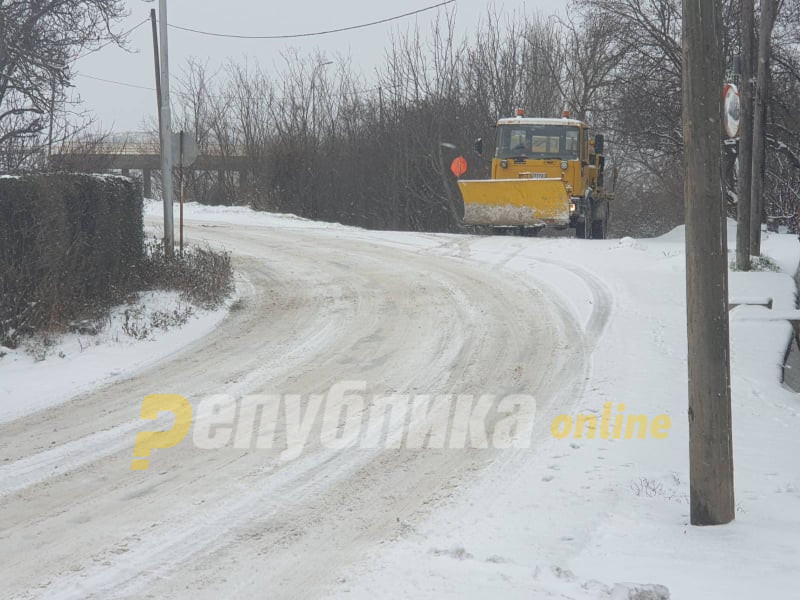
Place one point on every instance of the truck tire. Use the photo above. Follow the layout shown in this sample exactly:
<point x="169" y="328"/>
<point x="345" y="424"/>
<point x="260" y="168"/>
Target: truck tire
<point x="584" y="229"/>
<point x="599" y="229"/>
<point x="600" y="226"/>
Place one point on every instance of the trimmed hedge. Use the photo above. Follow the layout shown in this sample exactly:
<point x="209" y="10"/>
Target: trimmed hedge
<point x="70" y="245"/>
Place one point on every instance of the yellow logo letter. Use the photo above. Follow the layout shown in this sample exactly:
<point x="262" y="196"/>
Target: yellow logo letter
<point x="147" y="440"/>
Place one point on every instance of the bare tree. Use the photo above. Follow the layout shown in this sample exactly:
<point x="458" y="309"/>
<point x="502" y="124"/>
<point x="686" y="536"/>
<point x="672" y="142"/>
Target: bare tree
<point x="769" y="12"/>
<point x="39" y="39"/>
<point x="321" y="142"/>
<point x="745" y="137"/>
<point x="589" y="52"/>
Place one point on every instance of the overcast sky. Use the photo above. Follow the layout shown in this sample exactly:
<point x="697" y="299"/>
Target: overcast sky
<point x="125" y="109"/>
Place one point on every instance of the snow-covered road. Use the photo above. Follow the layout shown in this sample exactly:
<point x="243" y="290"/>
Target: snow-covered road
<point x="404" y="313"/>
<point x="579" y="324"/>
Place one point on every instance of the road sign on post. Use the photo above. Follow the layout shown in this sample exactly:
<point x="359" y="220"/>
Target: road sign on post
<point x="188" y="150"/>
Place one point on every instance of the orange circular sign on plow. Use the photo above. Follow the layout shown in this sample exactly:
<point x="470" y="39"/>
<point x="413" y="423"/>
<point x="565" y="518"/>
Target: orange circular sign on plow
<point x="459" y="166"/>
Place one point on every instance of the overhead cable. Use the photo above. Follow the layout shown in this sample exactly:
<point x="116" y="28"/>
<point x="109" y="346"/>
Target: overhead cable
<point x="315" y="33"/>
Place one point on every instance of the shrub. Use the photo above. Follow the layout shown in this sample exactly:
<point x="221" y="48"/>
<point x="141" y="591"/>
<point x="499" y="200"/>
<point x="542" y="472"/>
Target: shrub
<point x="203" y="276"/>
<point x="70" y="245"/>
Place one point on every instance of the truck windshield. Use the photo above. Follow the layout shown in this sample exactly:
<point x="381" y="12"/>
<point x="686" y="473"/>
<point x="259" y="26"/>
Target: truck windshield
<point x="538" y="141"/>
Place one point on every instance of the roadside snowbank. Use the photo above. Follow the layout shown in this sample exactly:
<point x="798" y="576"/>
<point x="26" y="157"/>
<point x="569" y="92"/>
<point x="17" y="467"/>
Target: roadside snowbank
<point x="238" y="215"/>
<point x="43" y="373"/>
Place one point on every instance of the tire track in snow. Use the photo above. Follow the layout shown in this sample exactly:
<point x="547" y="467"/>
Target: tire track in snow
<point x="471" y="320"/>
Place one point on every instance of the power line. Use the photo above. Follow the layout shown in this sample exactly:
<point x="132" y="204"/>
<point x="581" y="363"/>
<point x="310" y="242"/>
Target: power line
<point x="130" y="85"/>
<point x="131" y="30"/>
<point x="186" y="95"/>
<point x="315" y="33"/>
<point x="126" y="84"/>
<point x="263" y="37"/>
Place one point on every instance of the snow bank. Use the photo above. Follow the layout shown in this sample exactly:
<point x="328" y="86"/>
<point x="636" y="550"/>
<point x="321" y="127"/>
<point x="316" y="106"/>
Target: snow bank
<point x="42" y="374"/>
<point x="239" y="215"/>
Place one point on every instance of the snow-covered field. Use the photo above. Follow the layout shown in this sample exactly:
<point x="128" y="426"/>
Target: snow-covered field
<point x="575" y="323"/>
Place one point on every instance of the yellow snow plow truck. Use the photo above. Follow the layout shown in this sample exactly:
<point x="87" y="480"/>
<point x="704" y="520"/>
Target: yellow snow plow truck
<point x="545" y="172"/>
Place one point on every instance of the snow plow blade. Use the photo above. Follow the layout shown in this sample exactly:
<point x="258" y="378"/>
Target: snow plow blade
<point x="515" y="202"/>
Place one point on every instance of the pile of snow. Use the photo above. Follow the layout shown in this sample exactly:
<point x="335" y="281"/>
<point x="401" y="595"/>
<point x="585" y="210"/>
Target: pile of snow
<point x="239" y="215"/>
<point x="44" y="371"/>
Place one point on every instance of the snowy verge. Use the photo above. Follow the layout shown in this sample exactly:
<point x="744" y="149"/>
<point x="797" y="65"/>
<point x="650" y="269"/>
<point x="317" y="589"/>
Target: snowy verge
<point x="239" y="215"/>
<point x="44" y="372"/>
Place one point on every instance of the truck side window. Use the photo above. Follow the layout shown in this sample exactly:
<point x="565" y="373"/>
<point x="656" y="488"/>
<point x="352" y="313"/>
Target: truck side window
<point x="572" y="138"/>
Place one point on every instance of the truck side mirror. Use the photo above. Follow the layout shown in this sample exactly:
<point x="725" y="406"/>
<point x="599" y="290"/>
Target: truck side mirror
<point x="479" y="146"/>
<point x="598" y="143"/>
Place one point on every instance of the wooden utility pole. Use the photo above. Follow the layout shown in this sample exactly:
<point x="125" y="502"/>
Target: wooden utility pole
<point x="769" y="11"/>
<point x="745" y="137"/>
<point x="154" y="24"/>
<point x="710" y="438"/>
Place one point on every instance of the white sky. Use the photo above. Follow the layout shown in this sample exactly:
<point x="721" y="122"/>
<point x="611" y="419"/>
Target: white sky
<point x="124" y="108"/>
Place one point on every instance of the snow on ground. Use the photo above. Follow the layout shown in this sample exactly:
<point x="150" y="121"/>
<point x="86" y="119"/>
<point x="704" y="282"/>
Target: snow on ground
<point x="585" y="515"/>
<point x="581" y="516"/>
<point x="40" y="374"/>
<point x="237" y="215"/>
<point x="577" y="518"/>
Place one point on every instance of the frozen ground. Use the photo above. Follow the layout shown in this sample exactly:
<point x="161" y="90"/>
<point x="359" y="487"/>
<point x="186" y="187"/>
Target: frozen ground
<point x="576" y="323"/>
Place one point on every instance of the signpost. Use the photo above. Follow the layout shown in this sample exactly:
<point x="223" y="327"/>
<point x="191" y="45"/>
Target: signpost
<point x="185" y="148"/>
<point x="190" y="150"/>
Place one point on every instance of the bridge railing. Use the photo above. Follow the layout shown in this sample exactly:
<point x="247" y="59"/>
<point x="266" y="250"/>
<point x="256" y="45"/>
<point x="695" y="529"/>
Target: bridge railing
<point x="137" y="148"/>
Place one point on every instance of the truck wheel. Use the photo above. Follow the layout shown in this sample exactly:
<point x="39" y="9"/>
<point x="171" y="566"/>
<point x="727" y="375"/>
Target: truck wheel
<point x="530" y="230"/>
<point x="584" y="229"/>
<point x="599" y="229"/>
